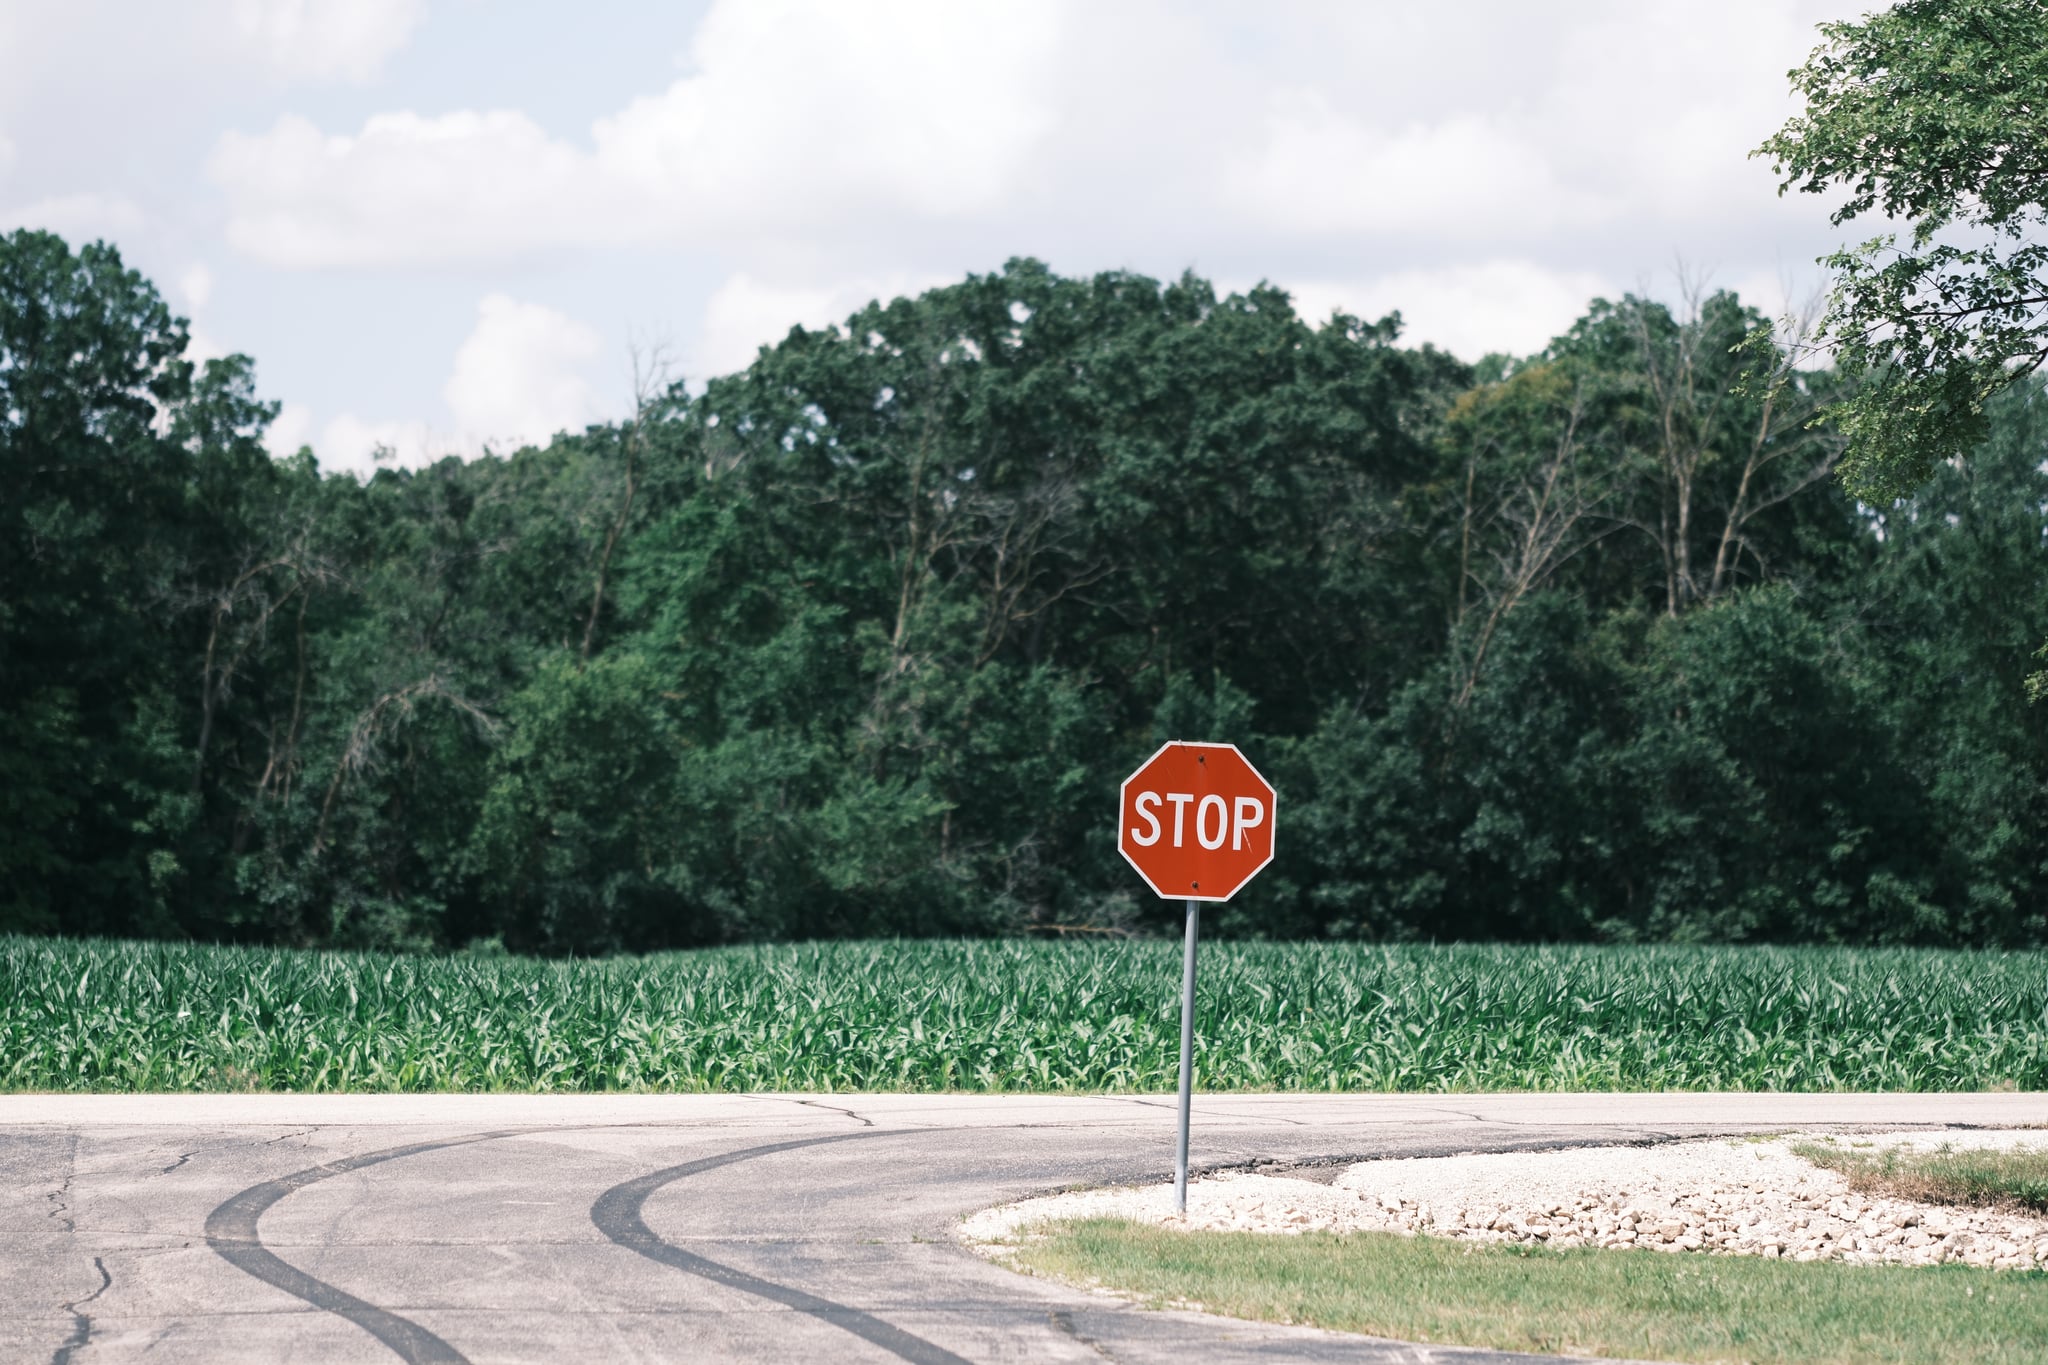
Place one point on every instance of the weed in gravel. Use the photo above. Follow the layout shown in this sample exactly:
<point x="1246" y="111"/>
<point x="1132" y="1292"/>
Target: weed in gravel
<point x="2015" y="1177"/>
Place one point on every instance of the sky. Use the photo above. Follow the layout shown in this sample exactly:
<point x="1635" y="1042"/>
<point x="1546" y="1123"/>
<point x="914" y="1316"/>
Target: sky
<point x="450" y="225"/>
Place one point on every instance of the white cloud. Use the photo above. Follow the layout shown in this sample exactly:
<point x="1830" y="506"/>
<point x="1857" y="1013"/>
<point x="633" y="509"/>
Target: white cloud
<point x="1483" y="168"/>
<point x="78" y="217"/>
<point x="195" y="283"/>
<point x="324" y="40"/>
<point x="194" y="289"/>
<point x="290" y="429"/>
<point x="744" y="314"/>
<point x="796" y="118"/>
<point x="348" y="444"/>
<point x="926" y="104"/>
<point x="518" y="378"/>
<point x="1469" y="176"/>
<point x="1515" y="306"/>
<point x="1667" y="103"/>
<point x="521" y="376"/>
<point x="202" y="346"/>
<point x="408" y="189"/>
<point x="818" y="139"/>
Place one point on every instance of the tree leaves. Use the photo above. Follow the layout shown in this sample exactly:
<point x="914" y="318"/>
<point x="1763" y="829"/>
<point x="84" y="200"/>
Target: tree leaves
<point x="860" y="641"/>
<point x="1936" y="112"/>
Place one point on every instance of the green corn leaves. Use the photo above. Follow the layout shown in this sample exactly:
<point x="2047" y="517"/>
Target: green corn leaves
<point x="1014" y="1016"/>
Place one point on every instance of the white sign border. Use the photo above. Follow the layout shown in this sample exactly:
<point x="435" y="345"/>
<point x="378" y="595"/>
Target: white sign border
<point x="1273" y="818"/>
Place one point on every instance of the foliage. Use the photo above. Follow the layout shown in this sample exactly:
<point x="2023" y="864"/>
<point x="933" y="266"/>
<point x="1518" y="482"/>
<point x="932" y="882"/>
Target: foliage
<point x="1638" y="1305"/>
<point x="110" y="443"/>
<point x="859" y="641"/>
<point x="1934" y="112"/>
<point x="1010" y="1015"/>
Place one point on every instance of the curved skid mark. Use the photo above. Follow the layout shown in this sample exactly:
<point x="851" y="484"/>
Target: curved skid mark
<point x="231" y="1232"/>
<point x="617" y="1214"/>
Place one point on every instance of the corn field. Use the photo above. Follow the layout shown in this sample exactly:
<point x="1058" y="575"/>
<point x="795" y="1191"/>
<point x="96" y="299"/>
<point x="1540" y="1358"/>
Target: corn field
<point x="1007" y="1015"/>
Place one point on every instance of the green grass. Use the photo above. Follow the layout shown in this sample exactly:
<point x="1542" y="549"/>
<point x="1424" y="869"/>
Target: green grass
<point x="1635" y="1304"/>
<point x="1010" y="1015"/>
<point x="2014" y="1178"/>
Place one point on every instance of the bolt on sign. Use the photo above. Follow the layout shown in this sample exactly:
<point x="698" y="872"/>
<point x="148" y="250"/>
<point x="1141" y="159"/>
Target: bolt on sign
<point x="1197" y="821"/>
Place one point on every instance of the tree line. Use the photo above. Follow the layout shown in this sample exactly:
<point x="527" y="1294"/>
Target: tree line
<point x="1586" y="645"/>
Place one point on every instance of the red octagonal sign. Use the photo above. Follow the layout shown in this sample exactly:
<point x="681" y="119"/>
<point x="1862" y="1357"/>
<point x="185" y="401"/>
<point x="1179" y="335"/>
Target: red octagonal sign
<point x="1196" y="820"/>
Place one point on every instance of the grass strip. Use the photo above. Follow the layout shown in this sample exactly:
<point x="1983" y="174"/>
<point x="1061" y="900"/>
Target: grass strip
<point x="1643" y="1305"/>
<point x="2016" y="1178"/>
<point x="1007" y="1015"/>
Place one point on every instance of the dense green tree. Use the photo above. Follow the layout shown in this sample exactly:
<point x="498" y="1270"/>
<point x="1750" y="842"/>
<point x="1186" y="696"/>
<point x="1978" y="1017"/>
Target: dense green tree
<point x="111" y="453"/>
<point x="859" y="640"/>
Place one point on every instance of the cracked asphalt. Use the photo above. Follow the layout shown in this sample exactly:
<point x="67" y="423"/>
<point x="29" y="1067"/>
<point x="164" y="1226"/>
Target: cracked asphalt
<point x="691" y="1227"/>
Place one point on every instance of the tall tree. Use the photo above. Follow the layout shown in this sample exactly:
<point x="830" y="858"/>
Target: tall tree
<point x="123" y="469"/>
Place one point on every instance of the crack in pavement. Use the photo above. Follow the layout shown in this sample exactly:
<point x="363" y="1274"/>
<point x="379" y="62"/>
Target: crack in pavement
<point x="81" y="1330"/>
<point x="862" y="1119"/>
<point x="1063" y="1321"/>
<point x="183" y="1157"/>
<point x="1199" y="1114"/>
<point x="1271" y="1118"/>
<point x="60" y="1198"/>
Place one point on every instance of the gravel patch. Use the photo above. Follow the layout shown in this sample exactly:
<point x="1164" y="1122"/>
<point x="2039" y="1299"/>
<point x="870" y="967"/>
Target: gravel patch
<point x="1732" y="1197"/>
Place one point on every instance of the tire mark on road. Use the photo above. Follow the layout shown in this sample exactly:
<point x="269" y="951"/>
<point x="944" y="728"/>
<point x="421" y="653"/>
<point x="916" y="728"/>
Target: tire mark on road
<point x="231" y="1231"/>
<point x="618" y="1216"/>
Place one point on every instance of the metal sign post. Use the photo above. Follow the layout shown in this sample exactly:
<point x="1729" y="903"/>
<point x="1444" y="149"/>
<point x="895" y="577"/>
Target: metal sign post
<point x="1187" y="1057"/>
<point x="1196" y="822"/>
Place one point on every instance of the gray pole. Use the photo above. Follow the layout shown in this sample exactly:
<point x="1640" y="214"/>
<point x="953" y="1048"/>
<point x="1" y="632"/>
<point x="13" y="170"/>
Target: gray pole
<point x="1187" y="1059"/>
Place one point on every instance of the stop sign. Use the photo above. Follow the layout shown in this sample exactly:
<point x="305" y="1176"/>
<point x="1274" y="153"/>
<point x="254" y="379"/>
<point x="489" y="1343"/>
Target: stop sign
<point x="1196" y="820"/>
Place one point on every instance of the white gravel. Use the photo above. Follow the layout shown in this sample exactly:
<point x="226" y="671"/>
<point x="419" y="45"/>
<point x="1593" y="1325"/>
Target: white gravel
<point x="1740" y="1197"/>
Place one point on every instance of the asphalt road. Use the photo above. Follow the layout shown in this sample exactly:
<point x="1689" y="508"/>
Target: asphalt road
<point x="664" y="1228"/>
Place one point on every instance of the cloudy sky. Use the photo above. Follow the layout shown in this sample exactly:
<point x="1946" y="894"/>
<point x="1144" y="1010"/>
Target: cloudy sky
<point x="441" y="224"/>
